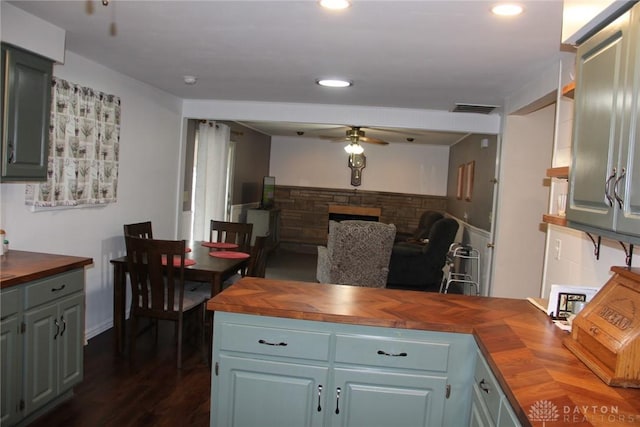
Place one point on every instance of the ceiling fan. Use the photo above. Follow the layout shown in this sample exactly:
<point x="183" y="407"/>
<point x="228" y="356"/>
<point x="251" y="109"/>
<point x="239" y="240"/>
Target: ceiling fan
<point x="355" y="135"/>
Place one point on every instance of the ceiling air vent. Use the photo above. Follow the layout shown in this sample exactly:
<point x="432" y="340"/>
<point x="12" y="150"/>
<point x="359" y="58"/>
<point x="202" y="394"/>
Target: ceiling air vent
<point x="474" y="108"/>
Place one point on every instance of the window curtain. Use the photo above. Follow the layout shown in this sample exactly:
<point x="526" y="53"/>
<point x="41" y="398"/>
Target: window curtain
<point x="84" y="145"/>
<point x="210" y="195"/>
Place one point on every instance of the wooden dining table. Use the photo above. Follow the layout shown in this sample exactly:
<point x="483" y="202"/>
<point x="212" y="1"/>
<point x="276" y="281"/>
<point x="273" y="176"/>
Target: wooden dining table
<point x="207" y="268"/>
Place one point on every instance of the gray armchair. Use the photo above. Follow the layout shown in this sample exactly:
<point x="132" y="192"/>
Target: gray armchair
<point x="357" y="253"/>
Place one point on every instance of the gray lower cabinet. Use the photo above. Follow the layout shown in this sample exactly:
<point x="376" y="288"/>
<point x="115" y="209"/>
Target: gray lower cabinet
<point x="50" y="330"/>
<point x="604" y="182"/>
<point x="10" y="357"/>
<point x="24" y="115"/>
<point x="489" y="407"/>
<point x="276" y="372"/>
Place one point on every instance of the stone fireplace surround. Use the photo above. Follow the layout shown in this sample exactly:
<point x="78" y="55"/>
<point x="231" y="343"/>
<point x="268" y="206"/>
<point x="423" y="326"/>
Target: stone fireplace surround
<point x="304" y="211"/>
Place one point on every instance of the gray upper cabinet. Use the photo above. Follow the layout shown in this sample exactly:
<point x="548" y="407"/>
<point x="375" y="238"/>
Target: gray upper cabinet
<point x="604" y="191"/>
<point x="25" y="110"/>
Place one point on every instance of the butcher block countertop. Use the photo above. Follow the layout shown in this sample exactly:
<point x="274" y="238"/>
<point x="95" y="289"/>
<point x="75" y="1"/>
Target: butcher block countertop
<point x="521" y="344"/>
<point x="17" y="267"/>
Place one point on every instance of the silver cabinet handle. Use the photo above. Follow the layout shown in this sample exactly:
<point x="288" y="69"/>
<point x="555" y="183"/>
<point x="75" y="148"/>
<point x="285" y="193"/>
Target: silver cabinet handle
<point x="619" y="199"/>
<point x="607" y="184"/>
<point x="55" y="322"/>
<point x="10" y="157"/>
<point x="319" y="397"/>
<point x="64" y="325"/>
<point x="338" y="400"/>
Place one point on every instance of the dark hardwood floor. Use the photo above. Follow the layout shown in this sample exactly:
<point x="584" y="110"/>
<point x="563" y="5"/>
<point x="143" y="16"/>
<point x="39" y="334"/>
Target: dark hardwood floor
<point x="151" y="391"/>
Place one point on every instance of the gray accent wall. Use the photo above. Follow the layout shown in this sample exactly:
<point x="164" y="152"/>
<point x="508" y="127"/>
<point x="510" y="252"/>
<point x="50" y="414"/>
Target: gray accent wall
<point x="477" y="211"/>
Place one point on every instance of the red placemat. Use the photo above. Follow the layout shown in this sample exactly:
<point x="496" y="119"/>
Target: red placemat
<point x="176" y="261"/>
<point x="220" y="245"/>
<point x="187" y="250"/>
<point x="229" y="254"/>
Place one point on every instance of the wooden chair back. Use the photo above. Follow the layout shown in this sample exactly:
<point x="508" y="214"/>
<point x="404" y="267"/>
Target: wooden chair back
<point x="258" y="260"/>
<point x="231" y="232"/>
<point x="139" y="229"/>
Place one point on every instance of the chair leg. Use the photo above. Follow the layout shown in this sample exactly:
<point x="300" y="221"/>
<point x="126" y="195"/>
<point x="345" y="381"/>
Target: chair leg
<point x="179" y="326"/>
<point x="132" y="337"/>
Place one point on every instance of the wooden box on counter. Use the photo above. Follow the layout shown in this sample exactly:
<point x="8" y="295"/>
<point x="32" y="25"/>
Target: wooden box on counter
<point x="606" y="333"/>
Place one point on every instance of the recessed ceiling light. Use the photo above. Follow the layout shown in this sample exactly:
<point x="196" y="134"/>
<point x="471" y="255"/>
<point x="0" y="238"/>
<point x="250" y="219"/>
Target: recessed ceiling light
<point x="334" y="83"/>
<point x="190" y="80"/>
<point x="507" y="9"/>
<point x="335" y="4"/>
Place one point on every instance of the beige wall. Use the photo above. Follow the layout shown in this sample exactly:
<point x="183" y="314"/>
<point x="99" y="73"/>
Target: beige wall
<point x="527" y="146"/>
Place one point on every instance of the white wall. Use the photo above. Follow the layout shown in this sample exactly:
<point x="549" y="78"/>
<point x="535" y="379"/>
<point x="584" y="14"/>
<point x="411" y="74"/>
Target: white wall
<point x="147" y="188"/>
<point x="401" y="168"/>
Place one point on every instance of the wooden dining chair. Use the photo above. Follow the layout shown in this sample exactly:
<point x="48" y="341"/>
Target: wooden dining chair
<point x="231" y="232"/>
<point x="156" y="271"/>
<point x="258" y="260"/>
<point x="139" y="229"/>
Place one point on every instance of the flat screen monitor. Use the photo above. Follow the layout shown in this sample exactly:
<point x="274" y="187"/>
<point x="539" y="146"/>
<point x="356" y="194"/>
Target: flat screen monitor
<point x="268" y="192"/>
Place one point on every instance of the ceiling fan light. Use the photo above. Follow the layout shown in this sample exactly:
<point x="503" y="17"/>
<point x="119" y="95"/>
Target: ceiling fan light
<point x="354" y="148"/>
<point x="335" y="4"/>
<point x="333" y="83"/>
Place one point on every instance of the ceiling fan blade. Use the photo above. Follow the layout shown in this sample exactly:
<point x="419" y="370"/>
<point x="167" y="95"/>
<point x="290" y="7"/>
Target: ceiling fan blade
<point x="370" y="140"/>
<point x="334" y="138"/>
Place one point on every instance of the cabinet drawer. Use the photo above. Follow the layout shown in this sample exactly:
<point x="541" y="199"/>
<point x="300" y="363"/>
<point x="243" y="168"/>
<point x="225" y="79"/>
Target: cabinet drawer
<point x="283" y="342"/>
<point x="487" y="387"/>
<point x="392" y="352"/>
<point x="54" y="287"/>
<point x="9" y="303"/>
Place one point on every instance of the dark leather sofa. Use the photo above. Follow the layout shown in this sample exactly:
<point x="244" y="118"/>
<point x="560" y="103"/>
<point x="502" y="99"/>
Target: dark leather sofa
<point x="418" y="266"/>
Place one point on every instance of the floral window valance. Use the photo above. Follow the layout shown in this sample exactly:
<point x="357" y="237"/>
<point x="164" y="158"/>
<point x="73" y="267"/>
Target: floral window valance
<point x="84" y="142"/>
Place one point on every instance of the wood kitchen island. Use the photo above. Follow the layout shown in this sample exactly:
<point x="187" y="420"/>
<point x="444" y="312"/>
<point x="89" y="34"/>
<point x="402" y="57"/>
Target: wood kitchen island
<point x="540" y="379"/>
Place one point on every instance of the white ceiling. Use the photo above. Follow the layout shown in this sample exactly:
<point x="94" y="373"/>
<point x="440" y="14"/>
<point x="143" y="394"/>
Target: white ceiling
<point x="420" y="54"/>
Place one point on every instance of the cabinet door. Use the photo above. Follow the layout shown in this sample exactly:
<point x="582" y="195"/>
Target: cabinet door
<point x="628" y="221"/>
<point x="25" y="133"/>
<point x="41" y="333"/>
<point x="480" y="416"/>
<point x="70" y="342"/>
<point x="597" y="125"/>
<point x="10" y="374"/>
<point x="366" y="398"/>
<point x="260" y="393"/>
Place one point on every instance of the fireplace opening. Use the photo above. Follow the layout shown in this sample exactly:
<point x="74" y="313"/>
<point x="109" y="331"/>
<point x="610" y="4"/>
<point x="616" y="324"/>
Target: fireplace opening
<point x="345" y="212"/>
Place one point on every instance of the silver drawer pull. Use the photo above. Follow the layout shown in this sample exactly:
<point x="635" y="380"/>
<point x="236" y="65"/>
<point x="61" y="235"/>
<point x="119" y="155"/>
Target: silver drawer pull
<point x="277" y="344"/>
<point x="484" y="387"/>
<point x="384" y="353"/>
<point x="58" y="289"/>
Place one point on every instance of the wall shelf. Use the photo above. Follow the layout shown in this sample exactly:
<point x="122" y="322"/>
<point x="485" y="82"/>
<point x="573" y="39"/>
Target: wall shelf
<point x="569" y="90"/>
<point x="554" y="219"/>
<point x="559" y="172"/>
